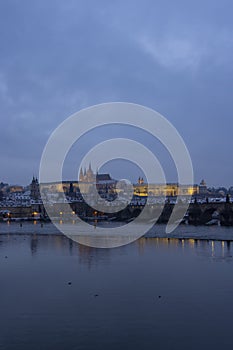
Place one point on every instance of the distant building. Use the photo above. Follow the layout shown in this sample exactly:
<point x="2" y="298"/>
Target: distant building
<point x="15" y="188"/>
<point x="203" y="188"/>
<point x="35" y="189"/>
<point x="170" y="189"/>
<point x="3" y="186"/>
<point x="140" y="180"/>
<point x="87" y="176"/>
<point x="89" y="180"/>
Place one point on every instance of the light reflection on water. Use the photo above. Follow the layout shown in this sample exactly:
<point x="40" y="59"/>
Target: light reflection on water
<point x="209" y="248"/>
<point x="160" y="293"/>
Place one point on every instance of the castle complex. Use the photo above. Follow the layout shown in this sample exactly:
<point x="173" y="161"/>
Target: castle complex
<point x="104" y="182"/>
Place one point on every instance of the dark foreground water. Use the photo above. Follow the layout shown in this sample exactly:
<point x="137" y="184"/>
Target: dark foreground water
<point x="155" y="293"/>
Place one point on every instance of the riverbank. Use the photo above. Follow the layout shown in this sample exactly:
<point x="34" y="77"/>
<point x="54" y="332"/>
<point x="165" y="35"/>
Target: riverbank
<point x="158" y="231"/>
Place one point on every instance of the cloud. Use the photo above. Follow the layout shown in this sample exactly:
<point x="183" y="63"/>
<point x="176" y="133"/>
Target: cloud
<point x="58" y="57"/>
<point x="173" y="53"/>
<point x="4" y="91"/>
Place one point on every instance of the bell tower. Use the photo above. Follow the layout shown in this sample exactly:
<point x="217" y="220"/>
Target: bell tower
<point x="35" y="189"/>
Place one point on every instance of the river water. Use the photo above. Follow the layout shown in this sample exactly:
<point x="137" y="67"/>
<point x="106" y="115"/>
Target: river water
<point x="155" y="293"/>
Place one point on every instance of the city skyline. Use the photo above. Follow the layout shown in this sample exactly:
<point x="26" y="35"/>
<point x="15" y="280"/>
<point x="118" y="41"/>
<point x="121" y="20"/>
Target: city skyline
<point x="88" y="175"/>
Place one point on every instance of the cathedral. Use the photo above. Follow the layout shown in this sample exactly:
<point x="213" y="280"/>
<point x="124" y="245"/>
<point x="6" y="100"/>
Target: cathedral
<point x="87" y="175"/>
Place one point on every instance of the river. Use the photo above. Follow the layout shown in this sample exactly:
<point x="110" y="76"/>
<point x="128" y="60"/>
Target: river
<point x="155" y="293"/>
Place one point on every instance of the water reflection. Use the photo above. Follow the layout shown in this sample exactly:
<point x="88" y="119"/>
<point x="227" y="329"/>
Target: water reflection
<point x="34" y="244"/>
<point x="217" y="250"/>
<point x="41" y="244"/>
<point x="113" y="296"/>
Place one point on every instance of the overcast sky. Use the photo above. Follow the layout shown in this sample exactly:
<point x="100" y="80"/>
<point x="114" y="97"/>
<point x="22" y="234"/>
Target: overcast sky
<point x="57" y="57"/>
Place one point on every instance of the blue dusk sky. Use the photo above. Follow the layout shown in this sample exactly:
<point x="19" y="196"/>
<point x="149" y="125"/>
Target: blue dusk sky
<point x="57" y="57"/>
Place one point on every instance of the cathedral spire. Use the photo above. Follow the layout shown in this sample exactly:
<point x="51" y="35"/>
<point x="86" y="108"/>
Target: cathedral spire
<point x="81" y="176"/>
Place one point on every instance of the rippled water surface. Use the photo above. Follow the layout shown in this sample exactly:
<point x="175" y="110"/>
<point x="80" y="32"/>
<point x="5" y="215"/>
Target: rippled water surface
<point x="155" y="293"/>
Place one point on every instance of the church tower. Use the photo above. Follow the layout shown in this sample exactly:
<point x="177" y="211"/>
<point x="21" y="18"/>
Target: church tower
<point x="202" y="187"/>
<point x="35" y="189"/>
<point x="90" y="174"/>
<point x="81" y="176"/>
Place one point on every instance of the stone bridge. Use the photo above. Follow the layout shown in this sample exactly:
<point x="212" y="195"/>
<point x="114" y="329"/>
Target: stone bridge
<point x="197" y="214"/>
<point x="203" y="213"/>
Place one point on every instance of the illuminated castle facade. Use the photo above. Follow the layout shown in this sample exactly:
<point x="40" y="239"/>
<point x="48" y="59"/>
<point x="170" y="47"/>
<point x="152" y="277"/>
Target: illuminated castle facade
<point x="104" y="182"/>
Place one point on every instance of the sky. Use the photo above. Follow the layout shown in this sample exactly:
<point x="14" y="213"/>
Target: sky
<point x="57" y="57"/>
